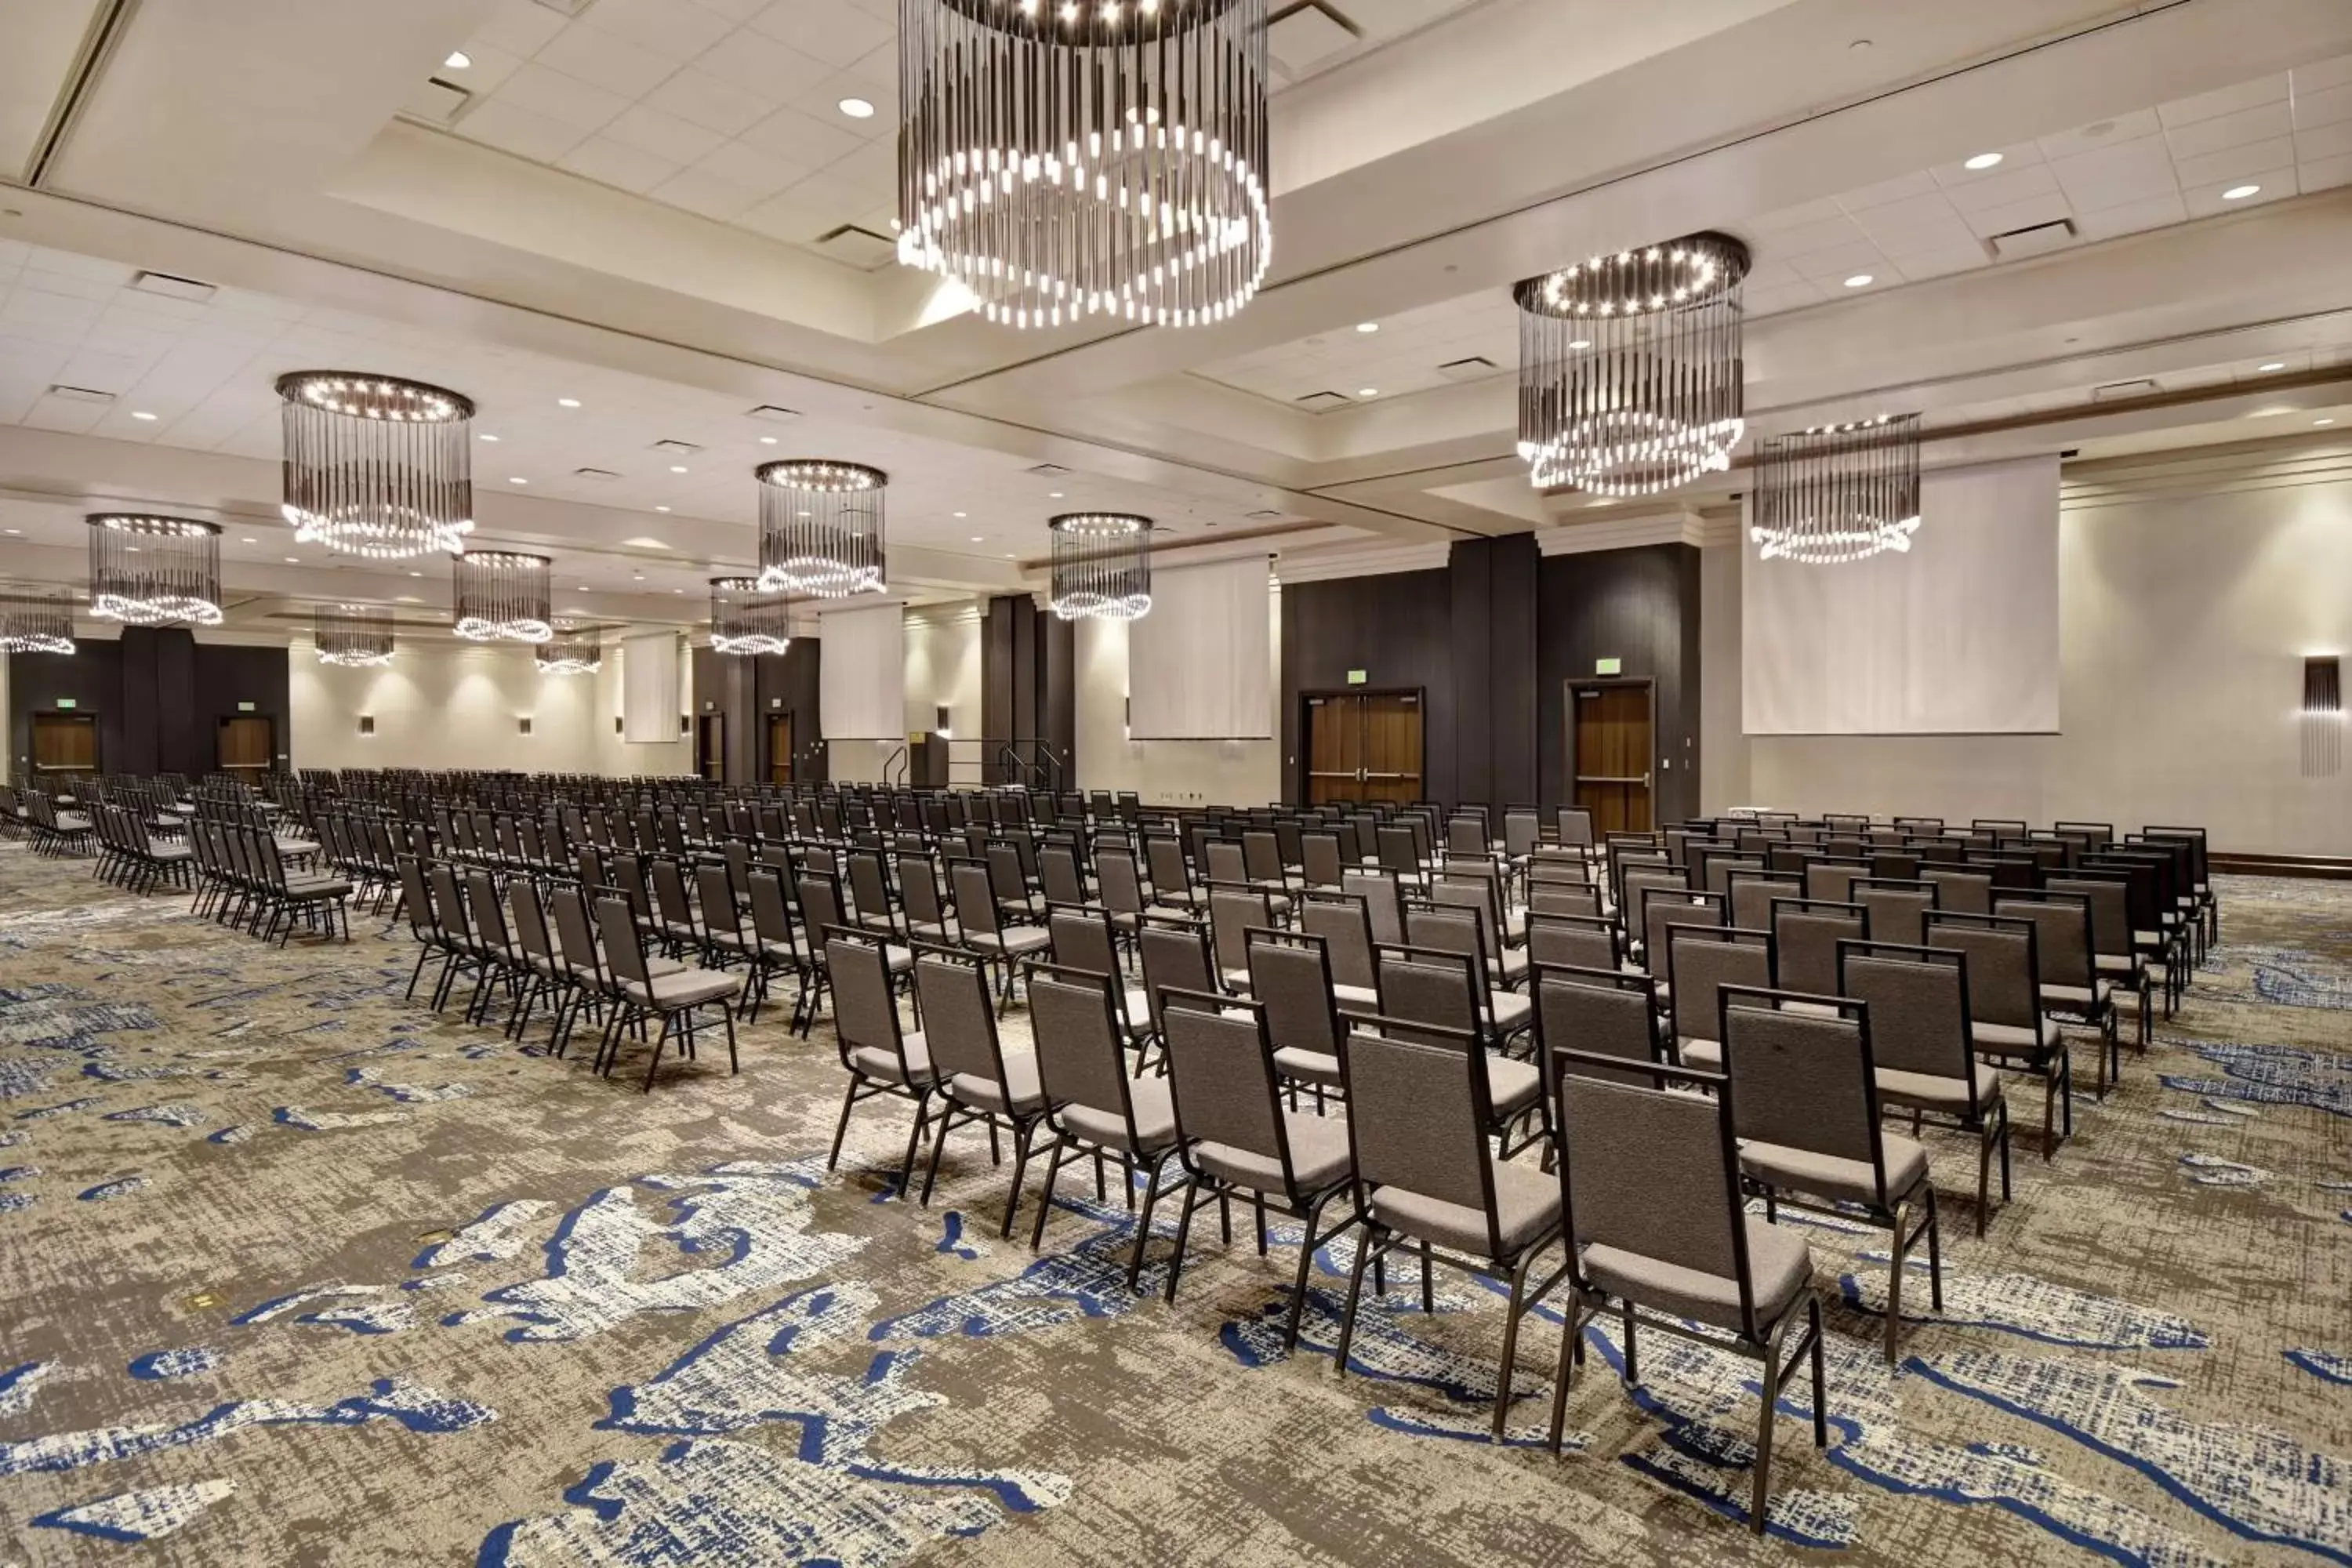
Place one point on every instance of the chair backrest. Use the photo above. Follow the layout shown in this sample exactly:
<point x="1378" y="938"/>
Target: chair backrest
<point x="2062" y="936"/>
<point x="1655" y="1175"/>
<point x="1918" y="1001"/>
<point x="1007" y="879"/>
<point x="1222" y="1077"/>
<point x="530" y="919"/>
<point x="1400" y="849"/>
<point x="1478" y="891"/>
<point x="1563" y="898"/>
<point x="1418" y="986"/>
<point x="1319" y="858"/>
<point x="1582" y="941"/>
<point x="1465" y="836"/>
<point x="1117" y="877"/>
<point x="1752" y="893"/>
<point x="1892" y="909"/>
<point x="821" y="902"/>
<point x="1080" y="1059"/>
<point x="1831" y="880"/>
<point x="1575" y="825"/>
<point x="1175" y="956"/>
<point x="1261" y="856"/>
<point x="959" y="1020"/>
<point x="2002" y="988"/>
<point x="1802" y="1079"/>
<point x="1805" y="934"/>
<point x="1383" y="905"/>
<point x="624" y="953"/>
<point x="1058" y="870"/>
<point x="1172" y="880"/>
<point x="1633" y="879"/>
<point x="865" y="1010"/>
<point x="1660" y="909"/>
<point x="670" y="893"/>
<point x="1451" y="928"/>
<point x="1969" y="892"/>
<point x="1232" y="911"/>
<point x="2107" y="897"/>
<point x="1082" y="941"/>
<point x="975" y="897"/>
<point x="869" y="884"/>
<point x="1418" y="1110"/>
<point x="1701" y="962"/>
<point x="1717" y="868"/>
<point x="715" y="891"/>
<point x="1290" y="975"/>
<point x="1599" y="1013"/>
<point x="1344" y="926"/>
<point x="489" y="916"/>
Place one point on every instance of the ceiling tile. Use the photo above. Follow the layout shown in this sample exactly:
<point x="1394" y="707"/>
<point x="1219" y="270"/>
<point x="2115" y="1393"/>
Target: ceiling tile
<point x="664" y="135"/>
<point x="1786" y="297"/>
<point x="1909" y="188"/>
<point x="521" y="28"/>
<point x="802" y="138"/>
<point x="1837" y="262"/>
<point x="512" y="129"/>
<point x="699" y="191"/>
<point x="701" y="98"/>
<point x="744" y="10"/>
<point x="565" y="100"/>
<point x="615" y="162"/>
<point x="2322" y="74"/>
<point x="2262" y="123"/>
<point x="2227" y="101"/>
<point x="2014" y="156"/>
<point x="1827" y="234"/>
<point x="2107" y="223"/>
<point x="2331" y="107"/>
<point x="490" y="66"/>
<point x="755" y="169"/>
<point x="2100" y="133"/>
<point x="1920" y="264"/>
<point x="754" y="61"/>
<point x="823" y="101"/>
<point x="830" y="30"/>
<point x="676" y="29"/>
<point x="1916" y="222"/>
<point x="2048" y="207"/>
<point x="606" y="60"/>
<point x="2116" y="175"/>
<point x="1825" y="210"/>
<point x="2001" y="188"/>
<point x="2237" y="162"/>
<point x="2325" y="174"/>
<point x="2205" y="201"/>
<point x="2323" y="141"/>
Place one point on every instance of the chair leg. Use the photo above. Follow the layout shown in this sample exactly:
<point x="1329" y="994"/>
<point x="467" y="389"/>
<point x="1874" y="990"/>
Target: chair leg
<point x="1821" y="1383"/>
<point x="1893" y="1287"/>
<point x="1365" y="1247"/>
<point x="939" y="1147"/>
<point x="914" y="1146"/>
<point x="1062" y="1151"/>
<point x="1934" y="1254"/>
<point x="1184" y="1235"/>
<point x="1143" y="1226"/>
<point x="1306" y="1262"/>
<point x="1564" y="1376"/>
<point x="1512" y="1312"/>
<point x="1633" y="1374"/>
<point x="652" y="1062"/>
<point x="1761" y="1489"/>
<point x="841" y="1128"/>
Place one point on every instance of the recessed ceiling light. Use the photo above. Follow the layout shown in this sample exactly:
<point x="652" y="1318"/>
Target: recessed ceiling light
<point x="977" y="537"/>
<point x="1982" y="160"/>
<point x="2322" y="422"/>
<point x="962" y="515"/>
<point x="2268" y="413"/>
<point x="2239" y="192"/>
<point x="1860" y="280"/>
<point x="1368" y="326"/>
<point x="408" y="599"/>
<point x="458" y="61"/>
<point x="567" y="403"/>
<point x="2275" y="364"/>
<point x="1368" y="392"/>
<point x="856" y="108"/>
<point x="677" y="590"/>
<point x="489" y="437"/>
<point x="767" y="440"/>
<point x="247" y="541"/>
<point x="416" y="573"/>
<point x="517" y="481"/>
<point x="1052" y="495"/>
<point x="293" y="561"/>
<point x="141" y="414"/>
<point x="13" y="531"/>
<point x="661" y="508"/>
<point x="678" y="468"/>
<point x="645" y="541"/>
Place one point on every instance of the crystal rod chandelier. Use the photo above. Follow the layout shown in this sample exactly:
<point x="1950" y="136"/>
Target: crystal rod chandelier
<point x="820" y="528"/>
<point x="1629" y="367"/>
<point x="35" y="620"/>
<point x="151" y="571"/>
<point x="502" y="596"/>
<point x="354" y="637"/>
<point x="570" y="651"/>
<point x="1102" y="566"/>
<point x="746" y="618"/>
<point x="376" y="466"/>
<point x="1838" y="492"/>
<point x="1068" y="158"/>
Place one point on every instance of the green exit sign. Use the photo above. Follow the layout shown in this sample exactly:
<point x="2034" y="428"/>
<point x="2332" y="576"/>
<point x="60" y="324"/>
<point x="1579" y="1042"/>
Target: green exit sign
<point x="244" y="707"/>
<point x="1608" y="666"/>
<point x="1358" y="677"/>
<point x="64" y="703"/>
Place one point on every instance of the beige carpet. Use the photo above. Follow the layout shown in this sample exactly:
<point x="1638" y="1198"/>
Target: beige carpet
<point x="292" y="1271"/>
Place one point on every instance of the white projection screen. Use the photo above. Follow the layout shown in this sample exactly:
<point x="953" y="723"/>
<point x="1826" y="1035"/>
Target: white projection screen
<point x="649" y="689"/>
<point x="1957" y="635"/>
<point x="862" y="674"/>
<point x="1198" y="666"/>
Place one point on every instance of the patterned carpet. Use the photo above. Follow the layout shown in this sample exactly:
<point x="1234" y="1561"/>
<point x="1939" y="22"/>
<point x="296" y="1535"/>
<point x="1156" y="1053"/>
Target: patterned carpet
<point x="293" y="1272"/>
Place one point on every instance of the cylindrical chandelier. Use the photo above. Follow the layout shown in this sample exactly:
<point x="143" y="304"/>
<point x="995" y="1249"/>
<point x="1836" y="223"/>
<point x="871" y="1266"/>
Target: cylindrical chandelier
<point x="1838" y="492"/>
<point x="1066" y="158"/>
<point x="35" y="620"/>
<point x="356" y="637"/>
<point x="377" y="466"/>
<point x="820" y="528"/>
<point x="1102" y="566"/>
<point x="570" y="651"/>
<point x="151" y="570"/>
<point x="502" y="596"/>
<point x="746" y="618"/>
<point x="1629" y="367"/>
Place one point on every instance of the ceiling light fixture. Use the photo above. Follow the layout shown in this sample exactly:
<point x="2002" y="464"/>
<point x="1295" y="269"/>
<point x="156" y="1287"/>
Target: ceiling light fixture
<point x="2239" y="192"/>
<point x="1838" y="492"/>
<point x="1102" y="566"/>
<point x="1368" y="326"/>
<point x="489" y="437"/>
<point x="176" y="580"/>
<point x="767" y="440"/>
<point x="1982" y="160"/>
<point x="458" y="61"/>
<point x="35" y="620"/>
<point x="567" y="403"/>
<point x="1659" y="402"/>
<point x="2274" y="365"/>
<point x="1368" y="392"/>
<point x="1133" y="186"/>
<point x="1860" y="280"/>
<point x="141" y="414"/>
<point x="376" y="466"/>
<point x="678" y="468"/>
<point x="820" y="528"/>
<point x="2322" y="422"/>
<point x="856" y="108"/>
<point x="570" y="651"/>
<point x="353" y="636"/>
<point x="748" y="619"/>
<point x="502" y="595"/>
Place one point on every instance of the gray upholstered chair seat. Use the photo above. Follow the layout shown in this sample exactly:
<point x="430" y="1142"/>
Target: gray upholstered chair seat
<point x="1022" y="939"/>
<point x="1698" y="1053"/>
<point x="797" y="949"/>
<point x="927" y="931"/>
<point x="1512" y="1011"/>
<point x="1319" y="1156"/>
<point x="1155" y="1119"/>
<point x="285" y="846"/>
<point x="325" y="885"/>
<point x="1136" y="1004"/>
<point x="1930" y="1092"/>
<point x="684" y="988"/>
<point x="168" y="852"/>
<point x="2118" y="962"/>
<point x="1361" y="997"/>
<point x="1511" y="1086"/>
<point x="70" y="821"/>
<point x="1526" y="1206"/>
<point x="2079" y="996"/>
<point x="1515" y="924"/>
<point x="1777" y="1260"/>
<point x="1512" y="965"/>
<point x="1236" y="980"/>
<point x="2010" y="1037"/>
<point x="1308" y="1067"/>
<point x="1020" y="1079"/>
<point x="1828" y="1176"/>
<point x="876" y="1062"/>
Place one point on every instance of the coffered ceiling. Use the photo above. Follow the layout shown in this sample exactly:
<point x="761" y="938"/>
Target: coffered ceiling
<point x="640" y="206"/>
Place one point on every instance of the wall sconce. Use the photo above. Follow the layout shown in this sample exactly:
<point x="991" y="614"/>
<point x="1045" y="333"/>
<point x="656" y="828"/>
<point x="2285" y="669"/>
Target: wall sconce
<point x="367" y="723"/>
<point x="941" y="727"/>
<point x="2323" y="684"/>
<point x="618" y="728"/>
<point x="523" y="722"/>
<point x="2323" y="716"/>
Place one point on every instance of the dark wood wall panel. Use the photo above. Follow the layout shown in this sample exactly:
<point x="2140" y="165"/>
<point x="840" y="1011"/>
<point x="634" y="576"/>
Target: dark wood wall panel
<point x="1398" y="629"/>
<point x="205" y="687"/>
<point x="91" y="679"/>
<point x="1639" y="605"/>
<point x="1471" y="591"/>
<point x="1028" y="684"/>
<point x="787" y="682"/>
<point x="158" y="695"/>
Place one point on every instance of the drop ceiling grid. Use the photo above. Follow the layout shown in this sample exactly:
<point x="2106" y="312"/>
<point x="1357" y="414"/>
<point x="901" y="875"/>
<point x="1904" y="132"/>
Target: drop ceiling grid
<point x="205" y="371"/>
<point x="2168" y="163"/>
<point x="729" y="109"/>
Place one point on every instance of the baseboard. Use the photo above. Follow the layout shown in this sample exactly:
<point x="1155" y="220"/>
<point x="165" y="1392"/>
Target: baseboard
<point x="2327" y="867"/>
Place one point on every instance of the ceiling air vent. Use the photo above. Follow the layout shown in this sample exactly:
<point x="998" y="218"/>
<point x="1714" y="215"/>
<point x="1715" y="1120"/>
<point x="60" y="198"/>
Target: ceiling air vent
<point x="594" y="474"/>
<point x="861" y="247"/>
<point x="1304" y="35"/>
<point x="79" y="394"/>
<point x="173" y="288"/>
<point x="2039" y="239"/>
<point x="437" y="102"/>
<point x="676" y="448"/>
<point x="1319" y="401"/>
<point x="1472" y="369"/>
<point x="1050" y="472"/>
<point x="1262" y="514"/>
<point x="2142" y="388"/>
<point x="776" y="412"/>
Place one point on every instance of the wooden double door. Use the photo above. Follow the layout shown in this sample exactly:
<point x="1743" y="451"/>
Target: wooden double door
<point x="247" y="746"/>
<point x="779" y="748"/>
<point x="1363" y="745"/>
<point x="1610" y="726"/>
<point x="65" y="747"/>
<point x="710" y="747"/>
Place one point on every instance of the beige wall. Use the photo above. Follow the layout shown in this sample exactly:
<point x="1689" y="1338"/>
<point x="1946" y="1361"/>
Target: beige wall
<point x="451" y="705"/>
<point x="2190" y="594"/>
<point x="1166" y="772"/>
<point x="943" y="643"/>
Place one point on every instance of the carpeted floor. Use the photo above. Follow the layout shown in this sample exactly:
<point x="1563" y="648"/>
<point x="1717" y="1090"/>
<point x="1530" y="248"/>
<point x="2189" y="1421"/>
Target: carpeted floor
<point x="293" y="1272"/>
